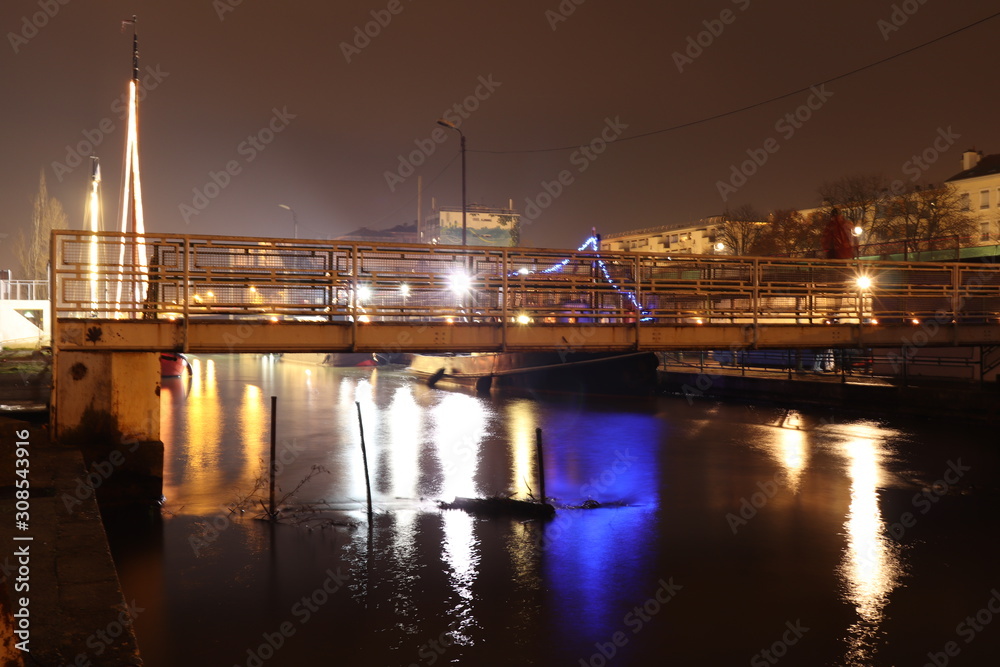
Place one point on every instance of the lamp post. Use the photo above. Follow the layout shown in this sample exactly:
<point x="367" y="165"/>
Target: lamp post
<point x="445" y="123"/>
<point x="295" y="220"/>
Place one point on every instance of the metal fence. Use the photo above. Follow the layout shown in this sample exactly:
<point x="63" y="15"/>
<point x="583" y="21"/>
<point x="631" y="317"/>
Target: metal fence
<point x="111" y="275"/>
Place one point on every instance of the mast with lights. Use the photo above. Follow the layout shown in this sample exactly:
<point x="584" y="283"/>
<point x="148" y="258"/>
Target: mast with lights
<point x="131" y="209"/>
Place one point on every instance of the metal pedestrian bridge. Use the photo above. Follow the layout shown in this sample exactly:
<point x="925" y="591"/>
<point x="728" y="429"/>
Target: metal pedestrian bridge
<point x="157" y="292"/>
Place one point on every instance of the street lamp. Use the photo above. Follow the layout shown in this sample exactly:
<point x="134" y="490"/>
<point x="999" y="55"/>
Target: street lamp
<point x="445" y="123"/>
<point x="295" y="220"/>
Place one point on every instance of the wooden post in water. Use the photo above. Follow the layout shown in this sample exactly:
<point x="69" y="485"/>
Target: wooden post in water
<point x="274" y="422"/>
<point x="541" y="463"/>
<point x="364" y="458"/>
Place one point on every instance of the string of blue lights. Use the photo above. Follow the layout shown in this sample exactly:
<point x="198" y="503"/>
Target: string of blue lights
<point x="591" y="244"/>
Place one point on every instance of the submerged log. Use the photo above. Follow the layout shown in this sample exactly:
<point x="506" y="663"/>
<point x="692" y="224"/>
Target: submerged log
<point x="497" y="507"/>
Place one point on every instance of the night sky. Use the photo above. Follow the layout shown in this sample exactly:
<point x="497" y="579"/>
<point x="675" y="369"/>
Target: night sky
<point x="339" y="107"/>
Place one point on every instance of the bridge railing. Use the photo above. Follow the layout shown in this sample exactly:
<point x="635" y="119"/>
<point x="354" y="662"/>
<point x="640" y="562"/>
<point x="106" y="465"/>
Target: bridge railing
<point x="111" y="275"/>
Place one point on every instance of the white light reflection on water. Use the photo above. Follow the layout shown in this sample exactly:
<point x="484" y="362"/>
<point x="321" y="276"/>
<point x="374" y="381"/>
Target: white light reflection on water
<point x="871" y="567"/>
<point x="458" y="425"/>
<point x="403" y="429"/>
<point x="460" y="552"/>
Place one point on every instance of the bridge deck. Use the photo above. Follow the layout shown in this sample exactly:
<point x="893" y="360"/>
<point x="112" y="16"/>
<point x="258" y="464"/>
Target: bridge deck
<point x="248" y="337"/>
<point x="209" y="293"/>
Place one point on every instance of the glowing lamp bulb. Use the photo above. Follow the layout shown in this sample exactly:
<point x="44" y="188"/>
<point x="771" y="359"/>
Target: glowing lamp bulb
<point x="459" y="282"/>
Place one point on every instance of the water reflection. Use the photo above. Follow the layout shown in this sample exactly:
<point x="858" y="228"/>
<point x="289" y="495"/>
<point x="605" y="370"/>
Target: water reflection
<point x="460" y="552"/>
<point x="790" y="448"/>
<point x="458" y="426"/>
<point x="543" y="593"/>
<point x="871" y="567"/>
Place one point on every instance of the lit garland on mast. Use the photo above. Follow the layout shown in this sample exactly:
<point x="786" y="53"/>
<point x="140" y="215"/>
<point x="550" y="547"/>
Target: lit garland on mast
<point x="132" y="191"/>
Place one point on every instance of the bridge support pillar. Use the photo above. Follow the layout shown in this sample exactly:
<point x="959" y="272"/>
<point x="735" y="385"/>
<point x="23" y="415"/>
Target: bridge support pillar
<point x="108" y="404"/>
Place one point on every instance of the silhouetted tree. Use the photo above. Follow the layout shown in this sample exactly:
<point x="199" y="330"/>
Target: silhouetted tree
<point x="32" y="249"/>
<point x="742" y="229"/>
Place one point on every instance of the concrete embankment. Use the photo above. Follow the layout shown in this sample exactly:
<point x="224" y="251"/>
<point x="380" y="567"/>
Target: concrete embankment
<point x="59" y="584"/>
<point x="860" y="394"/>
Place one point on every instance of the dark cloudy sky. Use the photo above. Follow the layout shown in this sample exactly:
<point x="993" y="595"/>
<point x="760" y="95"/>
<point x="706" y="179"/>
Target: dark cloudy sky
<point x="223" y="71"/>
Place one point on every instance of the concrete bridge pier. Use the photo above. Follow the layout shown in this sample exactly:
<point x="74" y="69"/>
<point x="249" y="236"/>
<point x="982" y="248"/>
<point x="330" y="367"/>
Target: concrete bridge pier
<point x="108" y="404"/>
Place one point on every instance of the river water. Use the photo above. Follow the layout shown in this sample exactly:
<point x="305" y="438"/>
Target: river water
<point x="727" y="533"/>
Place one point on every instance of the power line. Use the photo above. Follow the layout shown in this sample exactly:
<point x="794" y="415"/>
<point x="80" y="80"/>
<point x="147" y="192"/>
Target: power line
<point x="761" y="103"/>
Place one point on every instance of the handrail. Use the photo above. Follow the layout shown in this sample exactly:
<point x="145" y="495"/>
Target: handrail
<point x="202" y="276"/>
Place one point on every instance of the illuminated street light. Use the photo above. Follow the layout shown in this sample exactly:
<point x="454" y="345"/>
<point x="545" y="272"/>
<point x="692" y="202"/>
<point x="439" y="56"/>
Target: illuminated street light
<point x="459" y="283"/>
<point x="445" y="123"/>
<point x="364" y="293"/>
<point x="295" y="220"/>
<point x="864" y="282"/>
<point x="404" y="289"/>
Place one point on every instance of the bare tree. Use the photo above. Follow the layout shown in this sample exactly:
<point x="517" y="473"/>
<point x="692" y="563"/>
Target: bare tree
<point x="32" y="249"/>
<point x="929" y="218"/>
<point x="861" y="199"/>
<point x="742" y="229"/>
<point x="787" y="233"/>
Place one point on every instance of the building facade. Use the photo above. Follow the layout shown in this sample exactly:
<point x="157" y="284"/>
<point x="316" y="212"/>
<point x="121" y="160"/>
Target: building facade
<point x="978" y="184"/>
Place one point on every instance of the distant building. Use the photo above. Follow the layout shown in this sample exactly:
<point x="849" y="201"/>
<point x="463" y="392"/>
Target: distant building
<point x="979" y="185"/>
<point x="697" y="239"/>
<point x="406" y="233"/>
<point x="484" y="226"/>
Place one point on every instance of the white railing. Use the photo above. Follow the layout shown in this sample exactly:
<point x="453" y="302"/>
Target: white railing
<point x="24" y="290"/>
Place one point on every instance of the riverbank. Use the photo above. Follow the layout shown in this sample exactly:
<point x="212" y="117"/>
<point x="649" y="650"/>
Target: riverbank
<point x="56" y="559"/>
<point x="861" y="394"/>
